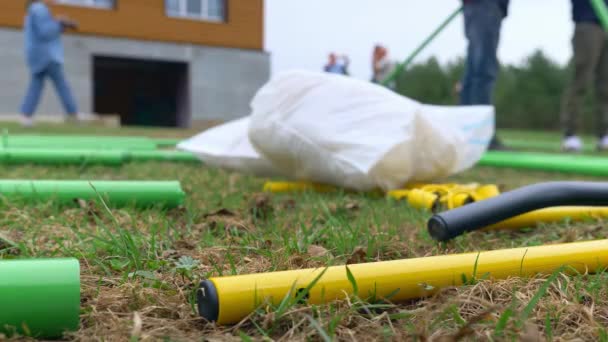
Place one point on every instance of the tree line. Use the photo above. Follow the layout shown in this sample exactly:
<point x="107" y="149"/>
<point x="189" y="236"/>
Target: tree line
<point x="527" y="96"/>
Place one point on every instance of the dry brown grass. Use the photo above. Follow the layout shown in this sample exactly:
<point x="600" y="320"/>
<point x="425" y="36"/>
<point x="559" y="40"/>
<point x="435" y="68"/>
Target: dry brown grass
<point x="227" y="227"/>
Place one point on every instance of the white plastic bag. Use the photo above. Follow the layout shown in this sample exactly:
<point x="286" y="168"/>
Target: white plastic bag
<point x="228" y="146"/>
<point x="337" y="130"/>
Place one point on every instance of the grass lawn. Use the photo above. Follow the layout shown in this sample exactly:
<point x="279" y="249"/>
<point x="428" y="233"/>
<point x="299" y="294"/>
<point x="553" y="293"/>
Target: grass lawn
<point x="137" y="284"/>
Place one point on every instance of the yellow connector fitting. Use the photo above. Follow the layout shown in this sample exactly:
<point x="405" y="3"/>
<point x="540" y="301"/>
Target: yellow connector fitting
<point x="420" y="199"/>
<point x="485" y="192"/>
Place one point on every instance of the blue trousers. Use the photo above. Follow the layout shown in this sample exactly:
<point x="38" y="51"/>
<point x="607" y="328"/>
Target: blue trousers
<point x="482" y="20"/>
<point x="55" y="72"/>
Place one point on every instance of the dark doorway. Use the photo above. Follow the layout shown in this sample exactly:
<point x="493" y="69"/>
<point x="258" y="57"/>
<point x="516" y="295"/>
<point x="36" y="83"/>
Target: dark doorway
<point x="142" y="92"/>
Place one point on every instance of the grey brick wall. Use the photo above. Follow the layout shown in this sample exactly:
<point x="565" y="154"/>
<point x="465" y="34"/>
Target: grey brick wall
<point x="222" y="80"/>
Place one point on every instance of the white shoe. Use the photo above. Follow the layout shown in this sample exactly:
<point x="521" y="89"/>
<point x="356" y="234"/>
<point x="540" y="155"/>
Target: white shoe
<point x="602" y="145"/>
<point x="572" y="144"/>
<point x="26" y="121"/>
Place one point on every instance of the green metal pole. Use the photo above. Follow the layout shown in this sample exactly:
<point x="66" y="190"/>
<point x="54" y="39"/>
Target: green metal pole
<point x="39" y="298"/>
<point x="167" y="194"/>
<point x="399" y="69"/>
<point x="601" y="10"/>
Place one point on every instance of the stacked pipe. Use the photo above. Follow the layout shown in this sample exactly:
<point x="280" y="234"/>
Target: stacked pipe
<point x="87" y="150"/>
<point x="41" y="298"/>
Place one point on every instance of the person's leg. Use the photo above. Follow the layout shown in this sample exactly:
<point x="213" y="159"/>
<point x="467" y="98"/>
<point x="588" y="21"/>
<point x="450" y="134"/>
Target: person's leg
<point x="601" y="93"/>
<point x="32" y="97"/>
<point x="485" y="20"/>
<point x="587" y="46"/>
<point x="465" y="92"/>
<point x="483" y="23"/>
<point x="63" y="89"/>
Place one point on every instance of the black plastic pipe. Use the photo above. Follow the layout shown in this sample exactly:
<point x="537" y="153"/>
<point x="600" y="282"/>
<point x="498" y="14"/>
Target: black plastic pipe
<point x="450" y="224"/>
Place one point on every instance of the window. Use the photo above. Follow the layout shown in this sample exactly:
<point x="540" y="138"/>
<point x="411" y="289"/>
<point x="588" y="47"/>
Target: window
<point x="211" y="10"/>
<point x="89" y="3"/>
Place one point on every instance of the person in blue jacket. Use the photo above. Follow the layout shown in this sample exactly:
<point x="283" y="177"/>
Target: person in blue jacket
<point x="590" y="62"/>
<point x="482" y="21"/>
<point x="337" y="64"/>
<point x="44" y="55"/>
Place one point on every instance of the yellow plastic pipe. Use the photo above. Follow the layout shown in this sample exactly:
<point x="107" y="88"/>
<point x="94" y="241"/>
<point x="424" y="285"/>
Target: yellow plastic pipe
<point x="551" y="215"/>
<point x="280" y="187"/>
<point x="228" y="300"/>
<point x="303" y="186"/>
<point x="300" y="186"/>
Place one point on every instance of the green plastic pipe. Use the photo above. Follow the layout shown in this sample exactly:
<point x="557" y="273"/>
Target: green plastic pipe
<point x="399" y="69"/>
<point x="601" y="10"/>
<point x="44" y="156"/>
<point x="167" y="194"/>
<point x="166" y="142"/>
<point x="162" y="155"/>
<point x="549" y="146"/>
<point x="584" y="165"/>
<point x="39" y="298"/>
<point x="76" y="137"/>
<point x="78" y="142"/>
<point x="40" y="156"/>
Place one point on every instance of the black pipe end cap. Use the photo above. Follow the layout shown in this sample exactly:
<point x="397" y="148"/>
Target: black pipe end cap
<point x="438" y="228"/>
<point x="208" y="301"/>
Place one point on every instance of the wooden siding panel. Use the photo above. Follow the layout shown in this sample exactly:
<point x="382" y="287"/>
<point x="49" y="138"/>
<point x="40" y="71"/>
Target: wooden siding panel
<point x="146" y="20"/>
